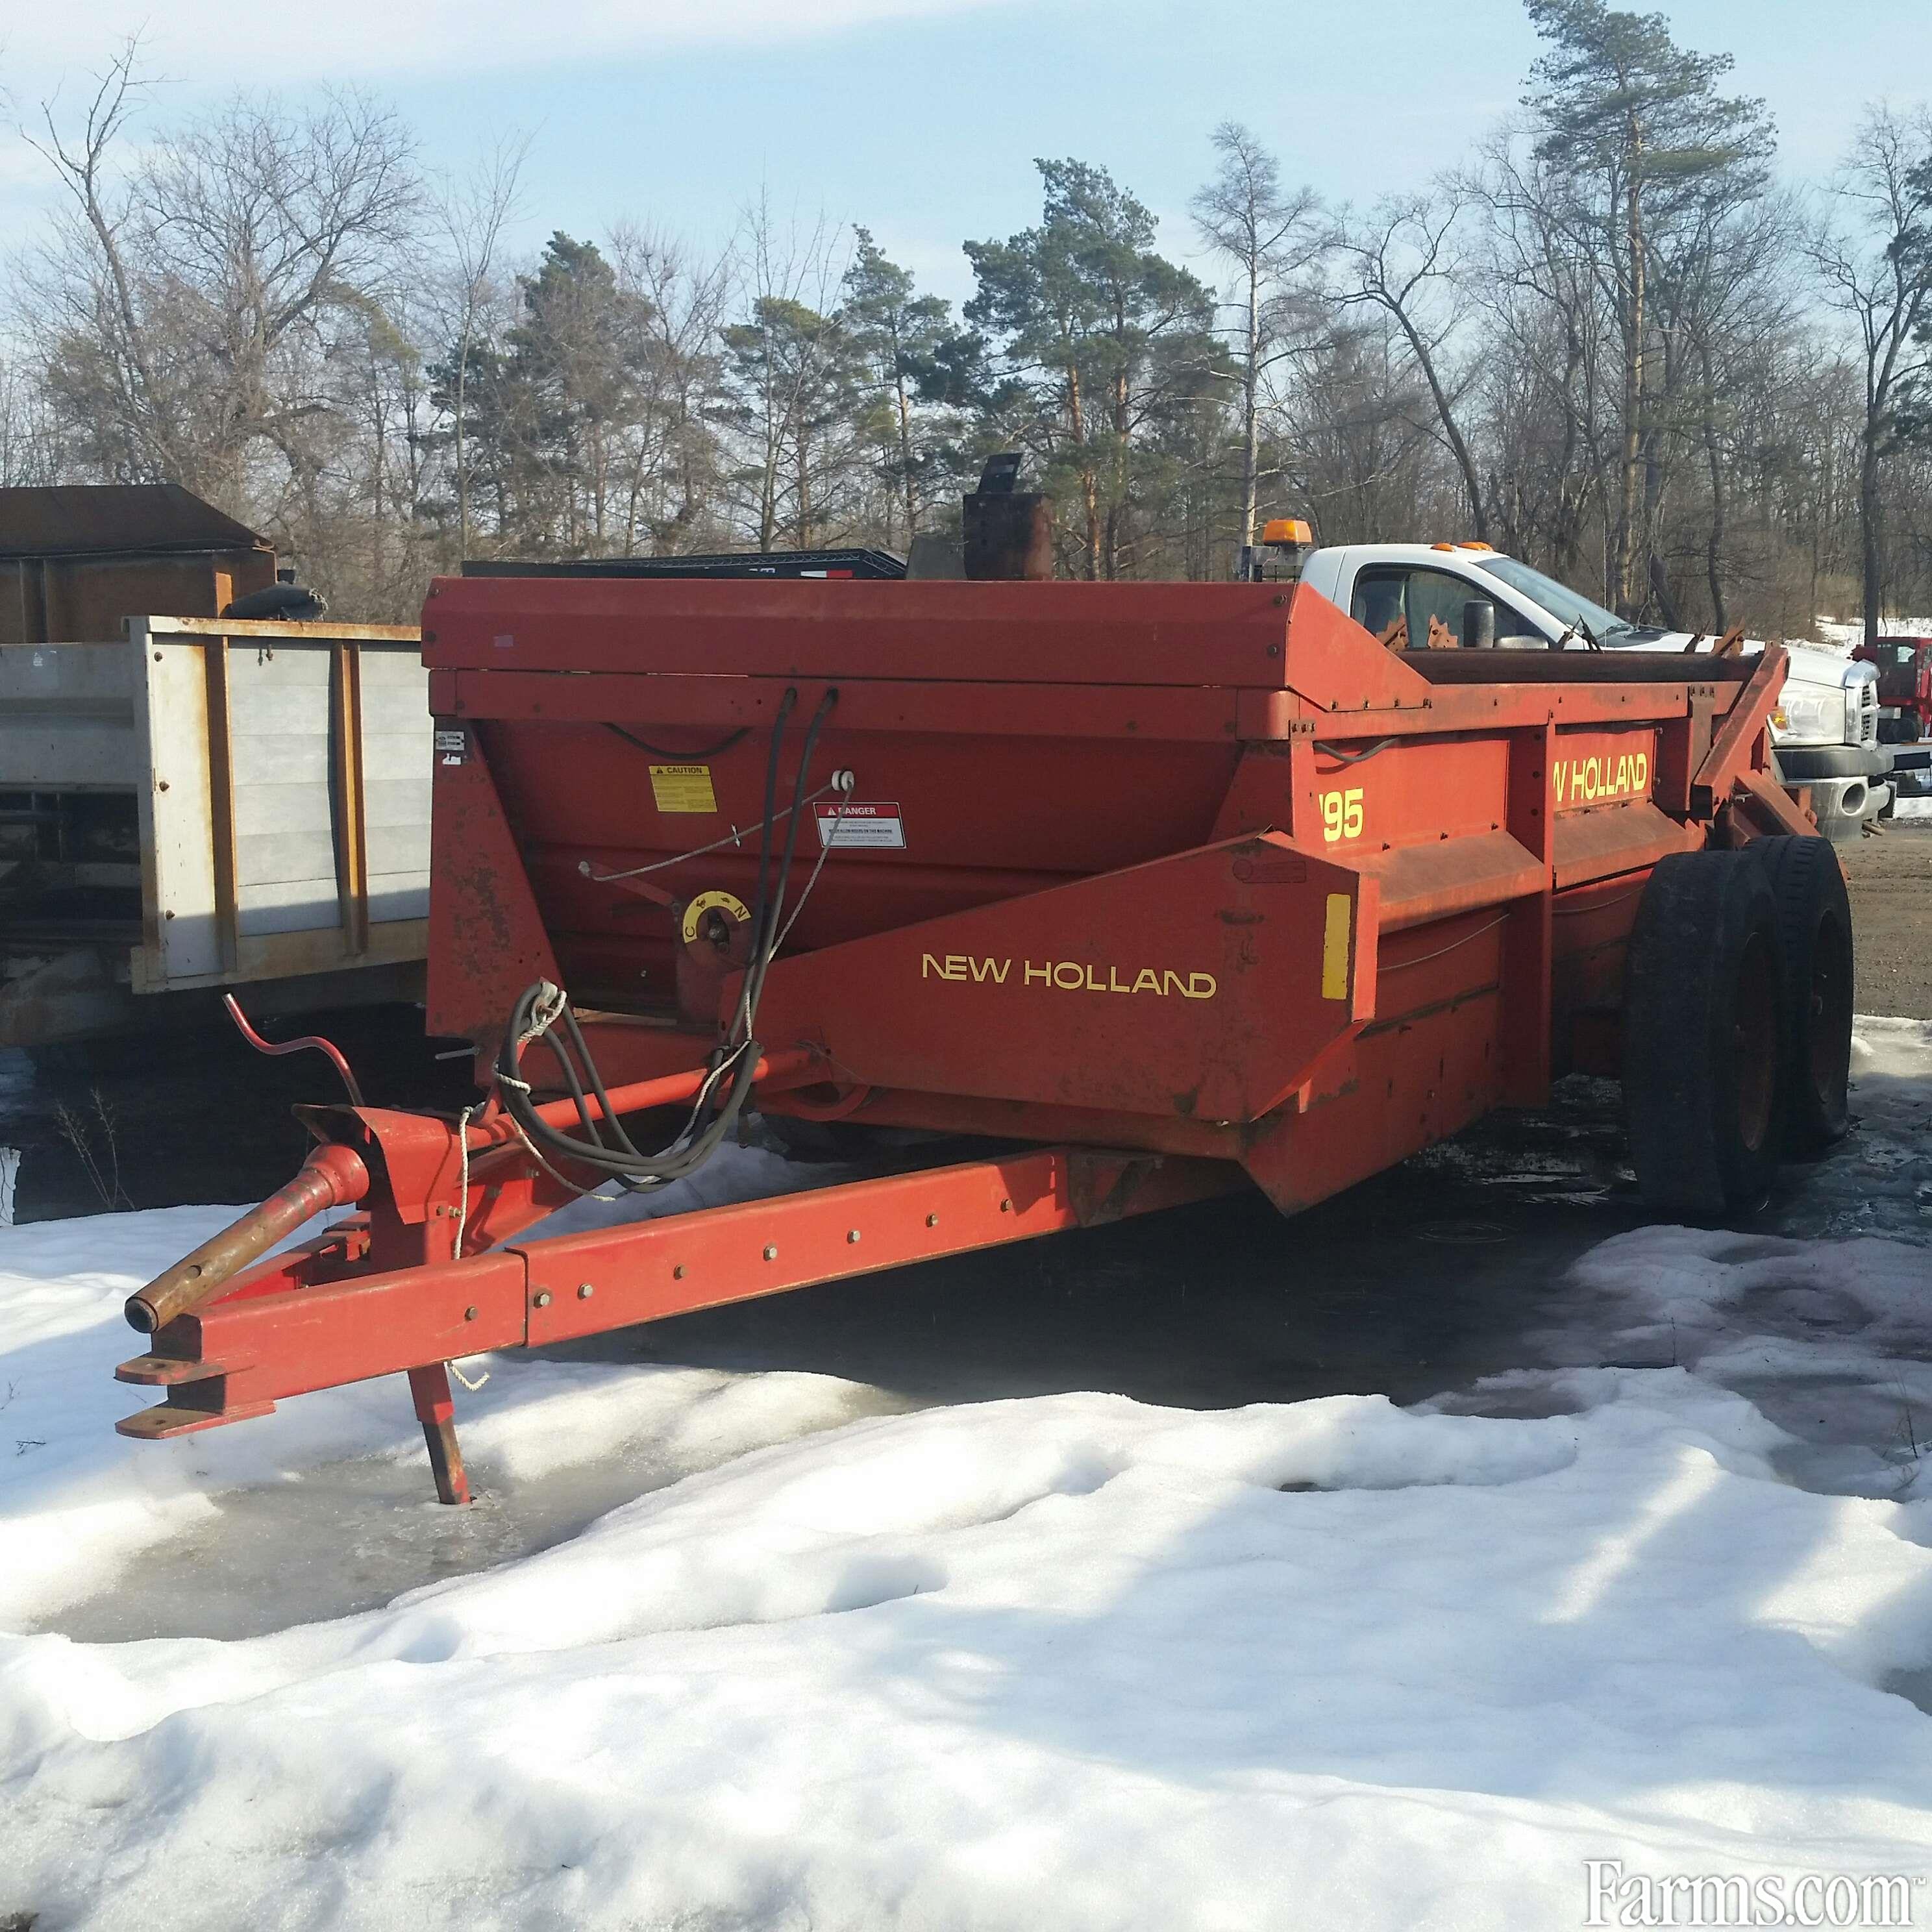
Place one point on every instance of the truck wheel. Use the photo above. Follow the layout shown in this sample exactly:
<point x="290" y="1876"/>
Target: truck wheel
<point x="1814" y="917"/>
<point x="1703" y="1005"/>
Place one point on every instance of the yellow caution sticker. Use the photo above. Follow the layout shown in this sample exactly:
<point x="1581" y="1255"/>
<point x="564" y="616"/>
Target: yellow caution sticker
<point x="1335" y="948"/>
<point x="683" y="788"/>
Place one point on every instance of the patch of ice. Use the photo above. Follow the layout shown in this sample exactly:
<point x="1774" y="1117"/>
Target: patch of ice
<point x="1880" y="1180"/>
<point x="1832" y="1339"/>
<point x="77" y="1501"/>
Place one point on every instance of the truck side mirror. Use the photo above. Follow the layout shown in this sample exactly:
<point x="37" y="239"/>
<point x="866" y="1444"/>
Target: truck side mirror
<point x="1479" y="625"/>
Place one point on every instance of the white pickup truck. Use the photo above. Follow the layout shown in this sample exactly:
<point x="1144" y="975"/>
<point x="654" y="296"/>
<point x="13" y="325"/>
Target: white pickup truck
<point x="1824" y="733"/>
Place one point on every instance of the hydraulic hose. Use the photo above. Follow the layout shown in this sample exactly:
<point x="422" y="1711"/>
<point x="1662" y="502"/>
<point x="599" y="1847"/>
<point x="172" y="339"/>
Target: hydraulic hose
<point x="541" y="1006"/>
<point x="542" y="1009"/>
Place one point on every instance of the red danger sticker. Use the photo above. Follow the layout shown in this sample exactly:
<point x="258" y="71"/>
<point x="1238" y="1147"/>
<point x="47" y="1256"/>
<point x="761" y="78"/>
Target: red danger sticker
<point x="846" y="823"/>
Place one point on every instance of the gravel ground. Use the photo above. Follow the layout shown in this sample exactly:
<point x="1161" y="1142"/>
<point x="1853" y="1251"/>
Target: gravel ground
<point x="1890" y="881"/>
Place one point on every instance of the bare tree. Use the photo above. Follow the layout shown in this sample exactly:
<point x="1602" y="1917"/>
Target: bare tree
<point x="1350" y="429"/>
<point x="789" y="375"/>
<point x="472" y="213"/>
<point x="676" y="463"/>
<point x="1723" y="305"/>
<point x="88" y="290"/>
<point x="29" y="445"/>
<point x="1542" y="357"/>
<point x="1269" y="234"/>
<point x="1400" y="259"/>
<point x="186" y="307"/>
<point x="1875" y="260"/>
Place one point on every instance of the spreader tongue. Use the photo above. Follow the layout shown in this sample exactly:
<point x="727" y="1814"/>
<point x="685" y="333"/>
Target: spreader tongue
<point x="332" y="1177"/>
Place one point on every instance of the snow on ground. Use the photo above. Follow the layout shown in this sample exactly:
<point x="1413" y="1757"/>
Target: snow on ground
<point x="75" y="1499"/>
<point x="1880" y="1180"/>
<point x="1072" y="1659"/>
<point x="1832" y="1339"/>
<point x="1841" y="634"/>
<point x="1161" y="1669"/>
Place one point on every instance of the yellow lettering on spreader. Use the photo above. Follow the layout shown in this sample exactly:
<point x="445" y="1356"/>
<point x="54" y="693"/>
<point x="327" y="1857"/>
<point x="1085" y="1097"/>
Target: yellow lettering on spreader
<point x="1601" y="779"/>
<point x="1071" y="975"/>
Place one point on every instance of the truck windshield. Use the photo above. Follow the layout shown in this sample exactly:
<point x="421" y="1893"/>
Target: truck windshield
<point x="1566" y="605"/>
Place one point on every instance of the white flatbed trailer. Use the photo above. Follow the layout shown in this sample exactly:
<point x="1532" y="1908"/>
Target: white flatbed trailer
<point x="208" y="805"/>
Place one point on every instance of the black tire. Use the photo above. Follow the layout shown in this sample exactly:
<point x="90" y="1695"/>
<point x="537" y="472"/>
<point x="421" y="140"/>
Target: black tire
<point x="1814" y="918"/>
<point x="1703" y="997"/>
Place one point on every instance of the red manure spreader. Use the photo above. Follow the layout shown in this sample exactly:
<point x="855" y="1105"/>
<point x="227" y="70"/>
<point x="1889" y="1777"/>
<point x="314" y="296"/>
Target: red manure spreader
<point x="1154" y="890"/>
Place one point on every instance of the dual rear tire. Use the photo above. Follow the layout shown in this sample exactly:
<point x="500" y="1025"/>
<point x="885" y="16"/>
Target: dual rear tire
<point x="1737" y="1023"/>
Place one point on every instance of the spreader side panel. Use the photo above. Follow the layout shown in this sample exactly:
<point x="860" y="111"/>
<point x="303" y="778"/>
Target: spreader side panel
<point x="1203" y="986"/>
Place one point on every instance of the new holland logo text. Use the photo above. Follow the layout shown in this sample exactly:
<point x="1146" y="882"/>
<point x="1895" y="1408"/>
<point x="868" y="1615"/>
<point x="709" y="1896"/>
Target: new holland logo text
<point x="1068" y="975"/>
<point x="1582" y="781"/>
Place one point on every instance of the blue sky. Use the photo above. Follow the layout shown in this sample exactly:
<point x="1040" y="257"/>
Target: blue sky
<point x="920" y="117"/>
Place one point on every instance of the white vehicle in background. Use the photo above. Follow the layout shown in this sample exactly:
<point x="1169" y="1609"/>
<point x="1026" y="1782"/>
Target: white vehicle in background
<point x="1824" y="733"/>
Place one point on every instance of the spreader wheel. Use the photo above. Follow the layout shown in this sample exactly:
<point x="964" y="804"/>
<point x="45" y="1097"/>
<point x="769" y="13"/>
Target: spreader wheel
<point x="1814" y="916"/>
<point x="1703" y="1006"/>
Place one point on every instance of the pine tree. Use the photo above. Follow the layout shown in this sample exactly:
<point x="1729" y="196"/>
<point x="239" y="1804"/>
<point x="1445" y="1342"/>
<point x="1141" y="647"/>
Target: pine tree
<point x="563" y="397"/>
<point x="1106" y="337"/>
<point x="902" y="341"/>
<point x="1636" y="134"/>
<point x="793" y="375"/>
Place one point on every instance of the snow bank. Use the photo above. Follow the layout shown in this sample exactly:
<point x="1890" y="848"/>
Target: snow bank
<point x="1158" y="1669"/>
<point x="1841" y="634"/>
<point x="76" y="1501"/>
<point x="1831" y="1338"/>
<point x="1072" y="1660"/>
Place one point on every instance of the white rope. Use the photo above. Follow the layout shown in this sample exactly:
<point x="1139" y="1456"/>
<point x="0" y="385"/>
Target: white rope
<point x="536" y="1154"/>
<point x="462" y="1180"/>
<point x="463" y="1223"/>
<point x="717" y="1073"/>
<point x="733" y="837"/>
<point x="824" y="853"/>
